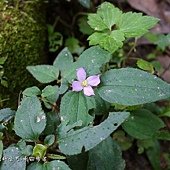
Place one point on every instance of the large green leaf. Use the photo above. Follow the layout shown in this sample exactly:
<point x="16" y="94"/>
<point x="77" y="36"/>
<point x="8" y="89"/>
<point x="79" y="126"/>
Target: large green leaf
<point x="129" y="86"/>
<point x="44" y="73"/>
<point x="139" y="124"/>
<point x="13" y="159"/>
<point x="112" y="26"/>
<point x="72" y="141"/>
<point x="91" y="59"/>
<point x="63" y="60"/>
<point x="106" y="155"/>
<point x="135" y="24"/>
<point x="48" y="166"/>
<point x="50" y="94"/>
<point x="75" y="106"/>
<point x="30" y="120"/>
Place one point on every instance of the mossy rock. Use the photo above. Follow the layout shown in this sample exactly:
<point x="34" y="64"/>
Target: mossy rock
<point x="22" y="42"/>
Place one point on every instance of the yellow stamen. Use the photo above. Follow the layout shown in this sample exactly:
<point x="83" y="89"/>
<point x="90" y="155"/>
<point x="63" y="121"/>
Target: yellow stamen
<point x="84" y="83"/>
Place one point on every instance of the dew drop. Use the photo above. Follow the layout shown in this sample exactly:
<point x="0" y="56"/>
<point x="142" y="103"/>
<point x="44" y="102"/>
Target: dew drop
<point x="101" y="138"/>
<point x="21" y="120"/>
<point x="62" y="119"/>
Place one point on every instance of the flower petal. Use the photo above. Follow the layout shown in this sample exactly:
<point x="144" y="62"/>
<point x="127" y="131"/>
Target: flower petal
<point x="81" y="74"/>
<point x="76" y="86"/>
<point x="93" y="80"/>
<point x="88" y="91"/>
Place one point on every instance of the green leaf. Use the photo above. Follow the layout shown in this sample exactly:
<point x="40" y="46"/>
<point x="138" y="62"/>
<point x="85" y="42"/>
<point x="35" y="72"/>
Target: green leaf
<point x="100" y="158"/>
<point x="39" y="151"/>
<point x="1" y="145"/>
<point x="102" y="107"/>
<point x="91" y="59"/>
<point x="6" y="114"/>
<point x="64" y="86"/>
<point x="107" y="15"/>
<point x="44" y="73"/>
<point x="110" y="42"/>
<point x="50" y="94"/>
<point x="78" y="161"/>
<point x="145" y="65"/>
<point x="154" y="154"/>
<point x="48" y="166"/>
<point x="13" y="159"/>
<point x="163" y="135"/>
<point x="31" y="91"/>
<point x="25" y="149"/>
<point x="63" y="60"/>
<point x="84" y="26"/>
<point x="72" y="142"/>
<point x="135" y="24"/>
<point x="96" y="22"/>
<point x="30" y="120"/>
<point x="129" y="86"/>
<point x="163" y="41"/>
<point x="75" y="106"/>
<point x="49" y="140"/>
<point x="112" y="26"/>
<point x="52" y="122"/>
<point x="73" y="45"/>
<point x="139" y="125"/>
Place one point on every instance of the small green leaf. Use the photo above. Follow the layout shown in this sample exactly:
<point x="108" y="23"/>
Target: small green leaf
<point x="84" y="26"/>
<point x="73" y="45"/>
<point x="30" y="120"/>
<point x="78" y="106"/>
<point x="145" y="65"/>
<point x="135" y="24"/>
<point x="13" y="159"/>
<point x="31" y="91"/>
<point x="163" y="41"/>
<point x="50" y="94"/>
<point x="154" y="154"/>
<point x="56" y="164"/>
<point x="129" y="86"/>
<point x="44" y="73"/>
<point x="72" y="141"/>
<point x="39" y="151"/>
<point x="25" y="149"/>
<point x="100" y="158"/>
<point x="49" y="140"/>
<point x="139" y="125"/>
<point x="63" y="60"/>
<point x="6" y="114"/>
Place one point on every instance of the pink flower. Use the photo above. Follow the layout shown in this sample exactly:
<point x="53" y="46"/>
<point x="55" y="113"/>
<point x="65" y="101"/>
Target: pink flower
<point x="84" y="83"/>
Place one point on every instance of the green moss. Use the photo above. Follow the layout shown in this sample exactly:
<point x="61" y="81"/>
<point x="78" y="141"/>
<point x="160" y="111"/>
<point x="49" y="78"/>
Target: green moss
<point x="22" y="41"/>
